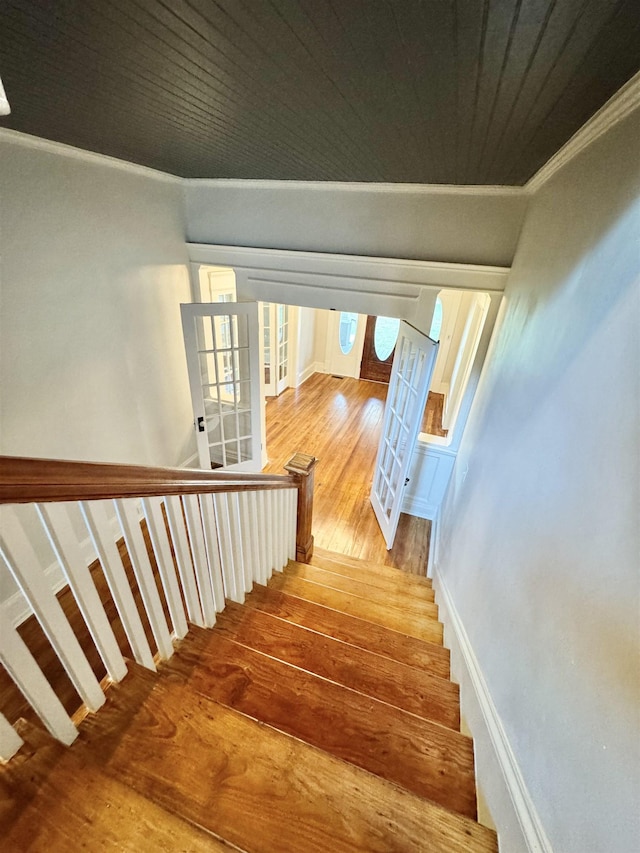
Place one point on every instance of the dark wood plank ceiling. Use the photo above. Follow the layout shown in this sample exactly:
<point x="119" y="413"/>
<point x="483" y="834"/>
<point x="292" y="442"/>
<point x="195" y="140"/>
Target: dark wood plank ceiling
<point x="425" y="91"/>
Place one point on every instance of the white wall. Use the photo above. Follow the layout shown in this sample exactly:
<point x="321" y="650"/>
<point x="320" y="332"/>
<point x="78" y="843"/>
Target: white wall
<point x="476" y="226"/>
<point x="93" y="270"/>
<point x="305" y="361"/>
<point x="539" y="545"/>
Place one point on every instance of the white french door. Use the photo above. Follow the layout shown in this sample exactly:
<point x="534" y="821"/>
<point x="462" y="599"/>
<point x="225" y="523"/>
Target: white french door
<point x="223" y="361"/>
<point x="408" y="389"/>
<point x="275" y="338"/>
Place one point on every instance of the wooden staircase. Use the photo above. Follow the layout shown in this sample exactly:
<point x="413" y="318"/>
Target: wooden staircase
<point x="317" y="716"/>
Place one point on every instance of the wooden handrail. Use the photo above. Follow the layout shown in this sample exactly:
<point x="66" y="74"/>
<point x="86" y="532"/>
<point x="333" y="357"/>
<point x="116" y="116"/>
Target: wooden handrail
<point x="31" y="480"/>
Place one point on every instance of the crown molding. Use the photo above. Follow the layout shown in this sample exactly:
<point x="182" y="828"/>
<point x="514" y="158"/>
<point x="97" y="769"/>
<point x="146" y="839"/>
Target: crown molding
<point x="617" y="108"/>
<point x="15" y="137"/>
<point x="357" y="186"/>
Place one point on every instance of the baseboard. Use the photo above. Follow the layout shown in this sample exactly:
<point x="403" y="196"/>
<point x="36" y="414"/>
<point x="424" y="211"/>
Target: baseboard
<point x="307" y="373"/>
<point x="500" y="781"/>
<point x="188" y="462"/>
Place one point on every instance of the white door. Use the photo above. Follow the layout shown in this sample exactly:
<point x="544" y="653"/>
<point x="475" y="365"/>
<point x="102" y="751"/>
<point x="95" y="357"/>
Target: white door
<point x="408" y="388"/>
<point x="222" y="347"/>
<point x="276" y="355"/>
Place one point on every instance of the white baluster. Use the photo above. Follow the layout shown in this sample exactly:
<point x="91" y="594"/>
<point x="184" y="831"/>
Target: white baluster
<point x="262" y="536"/>
<point x="27" y="675"/>
<point x="57" y="524"/>
<point x="254" y="536"/>
<point x="199" y="553"/>
<point x="236" y="544"/>
<point x="152" y="508"/>
<point x="175" y="518"/>
<point x="277" y="527"/>
<point x="128" y="517"/>
<point x="283" y="528"/>
<point x="21" y="560"/>
<point x="270" y="533"/>
<point x="10" y="740"/>
<point x="221" y="505"/>
<point x="246" y="535"/>
<point x="211" y="538"/>
<point x="95" y="516"/>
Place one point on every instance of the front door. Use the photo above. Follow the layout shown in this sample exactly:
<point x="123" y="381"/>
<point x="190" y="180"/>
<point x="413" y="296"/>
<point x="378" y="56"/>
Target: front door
<point x="379" y="345"/>
<point x="223" y="362"/>
<point x="415" y="356"/>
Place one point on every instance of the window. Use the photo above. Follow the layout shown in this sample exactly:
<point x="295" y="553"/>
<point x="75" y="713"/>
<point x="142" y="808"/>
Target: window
<point x="347" y="330"/>
<point x="385" y="336"/>
<point x="436" y="322"/>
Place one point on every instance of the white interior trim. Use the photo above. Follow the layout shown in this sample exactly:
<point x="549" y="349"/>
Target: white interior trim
<point x="28" y="141"/>
<point x="359" y="186"/>
<point x="523" y="807"/>
<point x="320" y="270"/>
<point x="618" y="107"/>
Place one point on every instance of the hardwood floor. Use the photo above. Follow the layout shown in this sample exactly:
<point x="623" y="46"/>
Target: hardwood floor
<point x="339" y="421"/>
<point x="432" y="420"/>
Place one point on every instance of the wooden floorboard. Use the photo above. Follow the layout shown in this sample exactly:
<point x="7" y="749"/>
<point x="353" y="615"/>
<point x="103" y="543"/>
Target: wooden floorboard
<point x="405" y="687"/>
<point x="257" y="788"/>
<point x="401" y="586"/>
<point x="420" y="627"/>
<point x="383" y="641"/>
<point x="50" y="800"/>
<point x="358" y="568"/>
<point x="414" y="605"/>
<point x="339" y="422"/>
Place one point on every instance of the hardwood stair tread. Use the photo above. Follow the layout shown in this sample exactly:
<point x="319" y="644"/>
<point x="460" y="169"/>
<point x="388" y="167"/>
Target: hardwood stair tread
<point x="53" y="801"/>
<point x="397" y="684"/>
<point x="431" y="760"/>
<point x="391" y="572"/>
<point x="418" y="591"/>
<point x="257" y="788"/>
<point x="386" y="593"/>
<point x="389" y="617"/>
<point x="360" y="569"/>
<point x="378" y="639"/>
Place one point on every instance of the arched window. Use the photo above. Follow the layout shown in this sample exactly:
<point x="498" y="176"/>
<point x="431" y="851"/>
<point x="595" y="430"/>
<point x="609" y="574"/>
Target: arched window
<point x="385" y="336"/>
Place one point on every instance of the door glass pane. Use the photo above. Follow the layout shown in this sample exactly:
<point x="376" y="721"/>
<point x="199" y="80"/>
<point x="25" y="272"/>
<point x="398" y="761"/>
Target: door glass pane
<point x="266" y="317"/>
<point x="347" y="330"/>
<point x="385" y="336"/>
<point x="226" y="388"/>
<point x="436" y="322"/>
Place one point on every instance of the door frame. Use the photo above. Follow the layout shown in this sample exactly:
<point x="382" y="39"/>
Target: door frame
<point x="391" y="287"/>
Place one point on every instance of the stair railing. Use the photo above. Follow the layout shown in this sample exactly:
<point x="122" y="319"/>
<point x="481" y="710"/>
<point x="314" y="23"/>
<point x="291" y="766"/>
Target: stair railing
<point x="190" y="539"/>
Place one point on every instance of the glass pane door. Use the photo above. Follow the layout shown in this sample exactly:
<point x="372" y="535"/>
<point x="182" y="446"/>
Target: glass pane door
<point x="408" y="388"/>
<point x="282" y="313"/>
<point x="221" y="342"/>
